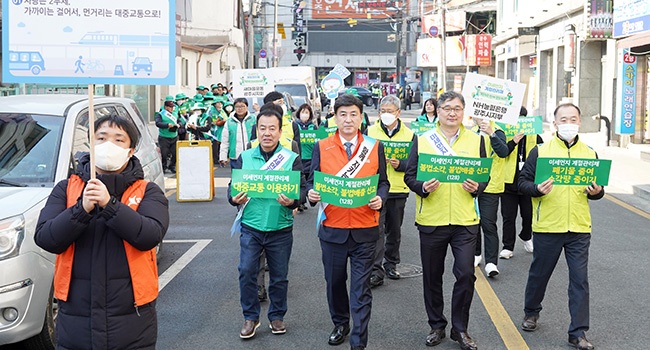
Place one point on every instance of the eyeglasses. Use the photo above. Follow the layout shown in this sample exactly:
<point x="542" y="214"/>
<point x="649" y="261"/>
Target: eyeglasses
<point x="448" y="109"/>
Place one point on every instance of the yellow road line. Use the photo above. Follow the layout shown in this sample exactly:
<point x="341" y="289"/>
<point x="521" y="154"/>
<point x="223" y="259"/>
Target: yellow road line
<point x="169" y="193"/>
<point x="627" y="206"/>
<point x="500" y="318"/>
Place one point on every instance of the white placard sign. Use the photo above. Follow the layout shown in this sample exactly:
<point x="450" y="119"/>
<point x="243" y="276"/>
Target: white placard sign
<point x="89" y="41"/>
<point x="491" y="98"/>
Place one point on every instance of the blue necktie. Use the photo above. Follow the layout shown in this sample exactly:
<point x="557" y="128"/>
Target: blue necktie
<point x="348" y="149"/>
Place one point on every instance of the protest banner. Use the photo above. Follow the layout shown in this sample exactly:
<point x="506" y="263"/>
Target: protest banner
<point x="345" y="192"/>
<point x="453" y="169"/>
<point x="525" y="125"/>
<point x="573" y="171"/>
<point x="265" y="183"/>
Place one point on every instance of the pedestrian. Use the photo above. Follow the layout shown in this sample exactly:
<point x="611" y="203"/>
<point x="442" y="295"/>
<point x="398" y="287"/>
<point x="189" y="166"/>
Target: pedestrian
<point x="429" y="112"/>
<point x="488" y="201"/>
<point x="168" y="124"/>
<point x="105" y="231"/>
<point x="349" y="232"/>
<point x="376" y="95"/>
<point x="183" y="108"/>
<point x="219" y="118"/>
<point x="199" y="122"/>
<point x="519" y="146"/>
<point x="266" y="226"/>
<point x="562" y="222"/>
<point x="447" y="216"/>
<point x="387" y="256"/>
<point x="289" y="129"/>
<point x="201" y="90"/>
<point x="306" y="120"/>
<point x="236" y="132"/>
<point x="408" y="97"/>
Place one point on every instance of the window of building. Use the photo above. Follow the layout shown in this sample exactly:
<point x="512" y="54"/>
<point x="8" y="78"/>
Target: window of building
<point x="185" y="63"/>
<point x="208" y="68"/>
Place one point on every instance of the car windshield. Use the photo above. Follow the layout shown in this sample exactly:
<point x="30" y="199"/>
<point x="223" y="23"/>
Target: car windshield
<point x="293" y="89"/>
<point x="142" y="60"/>
<point x="29" y="146"/>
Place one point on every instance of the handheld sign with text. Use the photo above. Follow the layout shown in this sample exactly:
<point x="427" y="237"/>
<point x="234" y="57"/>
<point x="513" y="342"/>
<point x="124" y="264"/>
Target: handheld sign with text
<point x="323" y="133"/>
<point x="573" y="171"/>
<point x="525" y="125"/>
<point x="453" y="169"/>
<point x="420" y="128"/>
<point x="309" y="137"/>
<point x="265" y="183"/>
<point x="345" y="192"/>
<point x="491" y="98"/>
<point x="397" y="149"/>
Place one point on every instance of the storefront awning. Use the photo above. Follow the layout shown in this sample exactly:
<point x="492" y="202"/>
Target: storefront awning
<point x="638" y="43"/>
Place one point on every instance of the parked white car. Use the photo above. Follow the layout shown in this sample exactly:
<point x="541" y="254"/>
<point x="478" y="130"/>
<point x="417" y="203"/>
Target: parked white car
<point x="41" y="138"/>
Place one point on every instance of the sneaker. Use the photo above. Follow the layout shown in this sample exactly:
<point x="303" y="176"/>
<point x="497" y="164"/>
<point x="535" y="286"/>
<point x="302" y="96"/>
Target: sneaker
<point x="491" y="270"/>
<point x="505" y="254"/>
<point x="477" y="260"/>
<point x="528" y="245"/>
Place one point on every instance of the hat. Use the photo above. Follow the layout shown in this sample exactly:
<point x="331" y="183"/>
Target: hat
<point x="197" y="105"/>
<point x="352" y="91"/>
<point x="169" y="98"/>
<point x="223" y="99"/>
<point x="208" y="96"/>
<point x="217" y="85"/>
<point x="198" y="98"/>
<point x="201" y="87"/>
<point x="180" y="96"/>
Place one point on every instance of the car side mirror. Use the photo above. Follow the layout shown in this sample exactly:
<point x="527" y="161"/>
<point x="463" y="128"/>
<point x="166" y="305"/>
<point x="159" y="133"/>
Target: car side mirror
<point x="311" y="95"/>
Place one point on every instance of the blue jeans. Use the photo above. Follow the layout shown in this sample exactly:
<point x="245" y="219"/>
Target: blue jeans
<point x="548" y="247"/>
<point x="277" y="247"/>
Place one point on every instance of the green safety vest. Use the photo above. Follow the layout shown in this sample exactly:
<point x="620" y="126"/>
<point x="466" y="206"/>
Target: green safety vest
<point x="449" y="204"/>
<point x="265" y="214"/>
<point x="306" y="148"/>
<point x="565" y="208"/>
<point x="233" y="124"/>
<point x="404" y="134"/>
<point x="165" y="132"/>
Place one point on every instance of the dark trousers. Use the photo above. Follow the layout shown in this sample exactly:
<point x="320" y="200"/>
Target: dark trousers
<point x="216" y="146"/>
<point x="168" y="150"/>
<point x="509" y="203"/>
<point x="335" y="265"/>
<point x="488" y="204"/>
<point x="433" y="250"/>
<point x="390" y="236"/>
<point x="548" y="247"/>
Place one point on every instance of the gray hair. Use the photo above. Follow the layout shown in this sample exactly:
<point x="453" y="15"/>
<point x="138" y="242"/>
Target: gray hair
<point x="390" y="100"/>
<point x="450" y="95"/>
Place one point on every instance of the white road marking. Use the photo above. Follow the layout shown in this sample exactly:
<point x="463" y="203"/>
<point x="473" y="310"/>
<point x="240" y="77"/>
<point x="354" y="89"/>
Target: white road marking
<point x="185" y="259"/>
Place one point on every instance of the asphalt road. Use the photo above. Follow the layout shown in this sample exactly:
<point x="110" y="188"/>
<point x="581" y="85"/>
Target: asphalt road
<point x="199" y="308"/>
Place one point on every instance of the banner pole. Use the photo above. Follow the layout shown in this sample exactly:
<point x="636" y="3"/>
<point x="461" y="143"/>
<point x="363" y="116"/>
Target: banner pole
<point x="91" y="128"/>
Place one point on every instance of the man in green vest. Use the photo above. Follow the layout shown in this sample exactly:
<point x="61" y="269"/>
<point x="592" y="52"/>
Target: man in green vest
<point x="266" y="226"/>
<point x="167" y="124"/>
<point x="183" y="109"/>
<point x="390" y="128"/>
<point x="376" y="95"/>
<point x="447" y="215"/>
<point x="519" y="146"/>
<point x="562" y="221"/>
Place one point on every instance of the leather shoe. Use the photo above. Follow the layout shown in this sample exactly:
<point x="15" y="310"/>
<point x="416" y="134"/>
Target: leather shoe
<point x="338" y="335"/>
<point x="464" y="340"/>
<point x="581" y="343"/>
<point x="249" y="328"/>
<point x="529" y="324"/>
<point x="278" y="327"/>
<point x="375" y="281"/>
<point x="435" y="337"/>
<point x="392" y="273"/>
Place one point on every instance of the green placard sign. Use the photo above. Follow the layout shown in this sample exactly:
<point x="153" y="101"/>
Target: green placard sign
<point x="420" y="128"/>
<point x="525" y="125"/>
<point x="308" y="137"/>
<point x="265" y="183"/>
<point x="397" y="149"/>
<point x="573" y="171"/>
<point x="453" y="169"/>
<point x="324" y="133"/>
<point x="345" y="192"/>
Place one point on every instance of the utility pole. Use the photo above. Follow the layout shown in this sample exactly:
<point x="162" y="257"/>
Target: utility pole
<point x="442" y="70"/>
<point x="251" y="35"/>
<point x="403" y="39"/>
<point x="275" y="35"/>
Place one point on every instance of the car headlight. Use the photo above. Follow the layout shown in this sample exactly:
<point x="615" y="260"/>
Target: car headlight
<point x="12" y="233"/>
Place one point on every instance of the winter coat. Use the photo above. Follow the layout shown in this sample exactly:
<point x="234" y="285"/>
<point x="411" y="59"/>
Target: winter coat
<point x="100" y="311"/>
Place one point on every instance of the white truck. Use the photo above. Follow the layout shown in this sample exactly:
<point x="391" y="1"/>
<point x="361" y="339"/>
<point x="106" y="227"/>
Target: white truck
<point x="299" y="82"/>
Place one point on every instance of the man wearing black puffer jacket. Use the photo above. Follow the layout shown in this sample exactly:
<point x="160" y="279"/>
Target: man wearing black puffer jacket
<point x="104" y="232"/>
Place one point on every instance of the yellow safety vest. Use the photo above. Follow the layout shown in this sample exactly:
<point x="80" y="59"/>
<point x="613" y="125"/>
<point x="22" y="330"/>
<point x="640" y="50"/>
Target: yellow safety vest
<point x="511" y="162"/>
<point x="404" y="134"/>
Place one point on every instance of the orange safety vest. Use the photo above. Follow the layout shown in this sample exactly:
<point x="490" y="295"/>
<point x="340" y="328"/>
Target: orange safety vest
<point x="142" y="264"/>
<point x="332" y="159"/>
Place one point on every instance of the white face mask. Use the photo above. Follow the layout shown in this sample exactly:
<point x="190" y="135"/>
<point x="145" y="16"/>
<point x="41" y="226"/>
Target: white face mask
<point x="567" y="131"/>
<point x="110" y="157"/>
<point x="387" y="119"/>
<point x="304" y="117"/>
<point x="197" y="112"/>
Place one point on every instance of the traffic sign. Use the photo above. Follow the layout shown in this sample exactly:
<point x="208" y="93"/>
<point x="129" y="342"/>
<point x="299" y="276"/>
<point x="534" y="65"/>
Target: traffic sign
<point x="433" y="31"/>
<point x="262" y="53"/>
